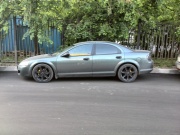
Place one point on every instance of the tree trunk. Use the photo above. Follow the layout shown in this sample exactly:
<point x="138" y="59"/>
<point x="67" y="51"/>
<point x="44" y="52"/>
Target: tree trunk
<point x="36" y="46"/>
<point x="139" y="34"/>
<point x="15" y="40"/>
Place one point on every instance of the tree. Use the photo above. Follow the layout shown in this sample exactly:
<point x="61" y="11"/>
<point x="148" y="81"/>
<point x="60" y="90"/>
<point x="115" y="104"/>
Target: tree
<point x="169" y="13"/>
<point x="97" y="20"/>
<point x="82" y="20"/>
<point x="37" y="15"/>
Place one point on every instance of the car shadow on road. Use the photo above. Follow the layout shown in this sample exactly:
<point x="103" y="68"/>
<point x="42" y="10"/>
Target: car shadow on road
<point x="157" y="76"/>
<point x="29" y="79"/>
<point x="69" y="79"/>
<point x="140" y="78"/>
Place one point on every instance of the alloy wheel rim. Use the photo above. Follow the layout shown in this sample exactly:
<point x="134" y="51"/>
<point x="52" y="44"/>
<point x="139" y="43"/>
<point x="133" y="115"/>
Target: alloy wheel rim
<point x="127" y="73"/>
<point x="42" y="73"/>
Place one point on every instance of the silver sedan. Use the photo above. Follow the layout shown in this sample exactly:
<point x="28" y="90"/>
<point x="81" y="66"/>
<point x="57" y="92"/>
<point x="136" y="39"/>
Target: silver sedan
<point x="88" y="59"/>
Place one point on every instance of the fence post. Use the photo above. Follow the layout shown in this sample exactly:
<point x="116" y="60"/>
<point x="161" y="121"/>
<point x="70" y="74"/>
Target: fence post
<point x="15" y="41"/>
<point x="139" y="34"/>
<point x="0" y="47"/>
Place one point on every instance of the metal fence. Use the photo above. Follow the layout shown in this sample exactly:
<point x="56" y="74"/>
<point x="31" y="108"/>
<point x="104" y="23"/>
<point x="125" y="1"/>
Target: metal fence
<point x="162" y="41"/>
<point x="24" y="46"/>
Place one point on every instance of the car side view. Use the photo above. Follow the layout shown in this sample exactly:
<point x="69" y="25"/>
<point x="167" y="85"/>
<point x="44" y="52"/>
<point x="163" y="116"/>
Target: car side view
<point x="89" y="59"/>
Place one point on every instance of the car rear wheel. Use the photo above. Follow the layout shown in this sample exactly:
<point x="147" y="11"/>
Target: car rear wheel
<point x="127" y="73"/>
<point x="42" y="73"/>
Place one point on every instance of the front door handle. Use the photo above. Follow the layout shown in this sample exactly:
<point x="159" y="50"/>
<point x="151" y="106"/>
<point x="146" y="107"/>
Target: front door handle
<point x="118" y="57"/>
<point x="85" y="58"/>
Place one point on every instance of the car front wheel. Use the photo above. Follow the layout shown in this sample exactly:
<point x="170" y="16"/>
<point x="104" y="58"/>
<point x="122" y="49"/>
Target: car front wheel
<point x="127" y="73"/>
<point x="42" y="73"/>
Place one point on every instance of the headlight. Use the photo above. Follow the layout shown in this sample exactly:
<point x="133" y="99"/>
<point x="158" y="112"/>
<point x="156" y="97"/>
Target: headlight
<point x="24" y="63"/>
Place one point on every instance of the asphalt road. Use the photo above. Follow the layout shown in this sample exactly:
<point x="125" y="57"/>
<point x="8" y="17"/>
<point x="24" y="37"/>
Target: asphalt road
<point x="90" y="106"/>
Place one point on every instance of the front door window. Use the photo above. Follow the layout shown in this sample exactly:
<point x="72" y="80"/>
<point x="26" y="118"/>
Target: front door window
<point x="82" y="50"/>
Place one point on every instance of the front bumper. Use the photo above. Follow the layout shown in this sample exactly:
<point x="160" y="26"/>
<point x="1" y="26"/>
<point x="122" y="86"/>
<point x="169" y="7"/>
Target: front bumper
<point x="23" y="70"/>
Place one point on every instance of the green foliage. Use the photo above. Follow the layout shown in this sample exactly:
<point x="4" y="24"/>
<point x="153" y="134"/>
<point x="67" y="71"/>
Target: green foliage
<point x="97" y="20"/>
<point x="39" y="15"/>
<point x="169" y="13"/>
<point x="164" y="63"/>
<point x="82" y="20"/>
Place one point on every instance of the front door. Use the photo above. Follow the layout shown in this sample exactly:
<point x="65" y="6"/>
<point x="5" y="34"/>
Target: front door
<point x="79" y="62"/>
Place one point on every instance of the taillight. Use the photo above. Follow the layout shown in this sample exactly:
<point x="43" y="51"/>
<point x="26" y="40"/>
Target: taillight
<point x="149" y="57"/>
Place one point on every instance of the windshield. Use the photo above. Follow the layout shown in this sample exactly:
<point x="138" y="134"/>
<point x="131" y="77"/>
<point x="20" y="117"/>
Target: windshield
<point x="63" y="48"/>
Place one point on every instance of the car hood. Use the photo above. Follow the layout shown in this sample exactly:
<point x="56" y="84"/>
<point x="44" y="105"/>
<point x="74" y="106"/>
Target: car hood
<point x="40" y="57"/>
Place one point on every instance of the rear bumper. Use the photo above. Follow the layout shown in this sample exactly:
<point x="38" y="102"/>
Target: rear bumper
<point x="144" y="71"/>
<point x="148" y="68"/>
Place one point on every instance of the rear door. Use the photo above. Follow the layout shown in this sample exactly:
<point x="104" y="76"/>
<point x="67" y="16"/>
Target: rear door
<point x="105" y="59"/>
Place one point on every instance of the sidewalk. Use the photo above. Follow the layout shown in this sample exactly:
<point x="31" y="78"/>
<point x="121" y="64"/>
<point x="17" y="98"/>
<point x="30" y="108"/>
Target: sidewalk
<point x="8" y="68"/>
<point x="165" y="70"/>
<point x="155" y="70"/>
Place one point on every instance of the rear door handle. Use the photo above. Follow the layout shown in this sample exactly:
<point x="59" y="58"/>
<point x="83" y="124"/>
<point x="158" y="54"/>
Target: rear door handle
<point x="85" y="58"/>
<point x="118" y="57"/>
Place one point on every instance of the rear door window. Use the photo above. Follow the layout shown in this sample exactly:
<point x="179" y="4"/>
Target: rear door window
<point x="82" y="50"/>
<point x="102" y="49"/>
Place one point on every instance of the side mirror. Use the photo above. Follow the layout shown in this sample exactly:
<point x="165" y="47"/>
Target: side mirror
<point x="66" y="54"/>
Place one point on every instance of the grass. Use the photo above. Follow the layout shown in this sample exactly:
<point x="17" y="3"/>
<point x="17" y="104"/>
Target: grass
<point x="164" y="63"/>
<point x="11" y="59"/>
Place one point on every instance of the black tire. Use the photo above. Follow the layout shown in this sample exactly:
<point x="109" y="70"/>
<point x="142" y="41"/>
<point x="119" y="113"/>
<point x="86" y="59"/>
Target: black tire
<point x="42" y="73"/>
<point x="127" y="73"/>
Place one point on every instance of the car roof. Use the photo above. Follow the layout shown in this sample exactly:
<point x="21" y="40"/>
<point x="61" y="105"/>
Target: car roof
<point x="105" y="42"/>
<point x="86" y="42"/>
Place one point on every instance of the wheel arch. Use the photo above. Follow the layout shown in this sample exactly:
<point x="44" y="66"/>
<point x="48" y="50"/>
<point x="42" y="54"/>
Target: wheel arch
<point x="136" y="64"/>
<point x="49" y="64"/>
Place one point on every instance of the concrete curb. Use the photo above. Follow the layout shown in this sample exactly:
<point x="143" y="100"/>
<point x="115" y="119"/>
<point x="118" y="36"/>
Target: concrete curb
<point x="8" y="68"/>
<point x="165" y="71"/>
<point x="155" y="70"/>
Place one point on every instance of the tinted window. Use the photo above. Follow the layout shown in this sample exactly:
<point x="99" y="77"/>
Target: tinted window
<point x="106" y="49"/>
<point x="82" y="50"/>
